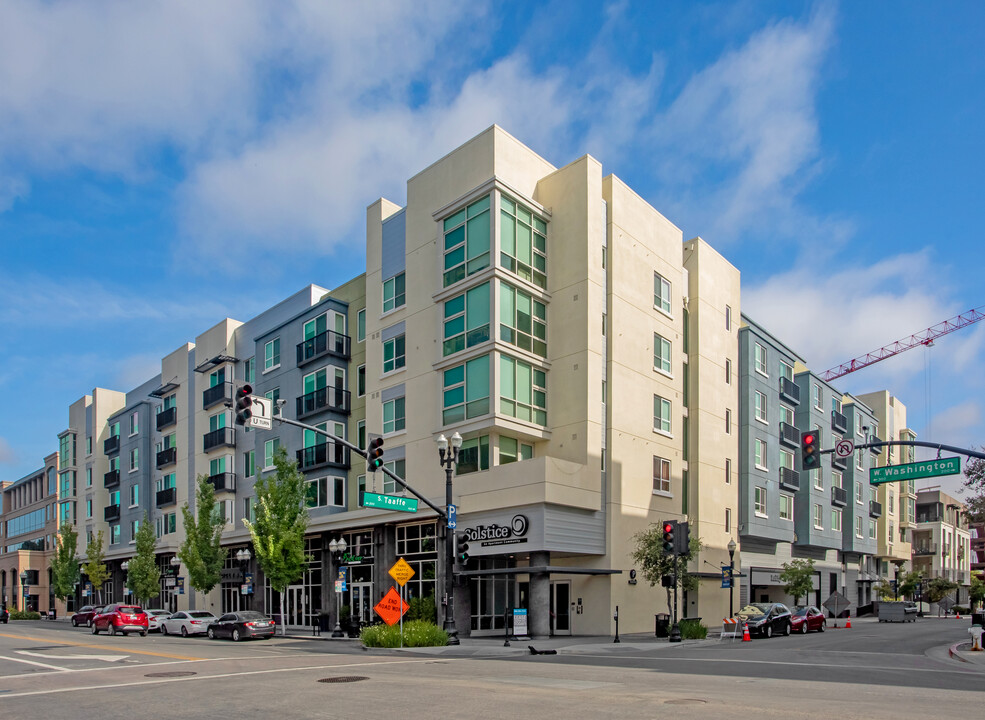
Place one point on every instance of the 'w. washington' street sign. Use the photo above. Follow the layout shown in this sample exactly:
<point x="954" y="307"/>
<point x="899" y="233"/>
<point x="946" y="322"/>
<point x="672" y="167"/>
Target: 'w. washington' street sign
<point x="915" y="471"/>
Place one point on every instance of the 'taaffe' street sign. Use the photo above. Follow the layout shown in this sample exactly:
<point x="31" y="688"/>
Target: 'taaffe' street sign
<point x="401" y="572"/>
<point x="391" y="608"/>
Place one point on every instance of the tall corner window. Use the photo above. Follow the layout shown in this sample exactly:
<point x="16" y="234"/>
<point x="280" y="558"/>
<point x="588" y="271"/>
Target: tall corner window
<point x="466" y="321"/>
<point x="522" y="242"/>
<point x="522" y="391"/>
<point x="394" y="292"/>
<point x="465" y="390"/>
<point x="523" y="320"/>
<point x="466" y="241"/>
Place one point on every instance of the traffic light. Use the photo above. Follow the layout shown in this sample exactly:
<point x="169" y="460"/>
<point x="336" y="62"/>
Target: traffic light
<point x="374" y="456"/>
<point x="244" y="403"/>
<point x="810" y="450"/>
<point x="461" y="548"/>
<point x="683" y="538"/>
<point x="669" y="536"/>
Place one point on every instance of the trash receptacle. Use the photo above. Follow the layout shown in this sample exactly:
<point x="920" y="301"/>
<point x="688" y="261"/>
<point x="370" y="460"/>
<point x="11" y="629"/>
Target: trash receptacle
<point x="323" y="621"/>
<point x="662" y="629"/>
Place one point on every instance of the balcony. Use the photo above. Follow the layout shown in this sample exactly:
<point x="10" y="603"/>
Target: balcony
<point x="326" y="343"/>
<point x="839" y="423"/>
<point x="167" y="496"/>
<point x="223" y="482"/>
<point x="789" y="479"/>
<point x="789" y="391"/>
<point x="223" y="392"/>
<point x="330" y="398"/>
<point x="839" y="496"/>
<point x="111" y="479"/>
<point x="875" y="509"/>
<point x="839" y="463"/>
<point x="111" y="512"/>
<point x="111" y="445"/>
<point x="875" y="450"/>
<point x="167" y="418"/>
<point x="166" y="457"/>
<point x="223" y="437"/>
<point x="789" y="436"/>
<point x="925" y="549"/>
<point x="327" y="454"/>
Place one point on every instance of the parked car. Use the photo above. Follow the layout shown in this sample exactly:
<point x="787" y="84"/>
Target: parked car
<point x="805" y="618"/>
<point x="85" y="614"/>
<point x="188" y="622"/>
<point x="120" y="618"/>
<point x="766" y="619"/>
<point x="154" y="618"/>
<point x="239" y="625"/>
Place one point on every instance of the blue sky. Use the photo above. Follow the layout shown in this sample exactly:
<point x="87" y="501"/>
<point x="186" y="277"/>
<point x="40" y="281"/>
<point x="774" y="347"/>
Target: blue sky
<point x="152" y="153"/>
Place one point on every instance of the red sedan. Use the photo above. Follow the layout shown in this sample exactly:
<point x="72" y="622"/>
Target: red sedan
<point x="120" y="618"/>
<point x="806" y="618"/>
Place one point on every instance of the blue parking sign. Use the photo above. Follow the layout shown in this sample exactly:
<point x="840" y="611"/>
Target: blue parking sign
<point x="452" y="517"/>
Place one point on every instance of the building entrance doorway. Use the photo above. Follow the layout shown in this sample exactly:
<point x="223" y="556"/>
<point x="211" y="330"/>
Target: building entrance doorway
<point x="561" y="607"/>
<point x="297" y="607"/>
<point x="361" y="601"/>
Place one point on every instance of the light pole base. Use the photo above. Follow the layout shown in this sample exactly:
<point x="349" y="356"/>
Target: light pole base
<point x="675" y="633"/>
<point x="337" y="632"/>
<point x="449" y="627"/>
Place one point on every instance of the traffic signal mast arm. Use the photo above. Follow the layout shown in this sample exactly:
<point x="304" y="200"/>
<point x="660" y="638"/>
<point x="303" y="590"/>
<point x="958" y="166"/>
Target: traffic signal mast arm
<point x="362" y="453"/>
<point x="915" y="443"/>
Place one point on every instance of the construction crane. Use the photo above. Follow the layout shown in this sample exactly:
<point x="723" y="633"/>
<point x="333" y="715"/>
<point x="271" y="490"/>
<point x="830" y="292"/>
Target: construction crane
<point x="924" y="338"/>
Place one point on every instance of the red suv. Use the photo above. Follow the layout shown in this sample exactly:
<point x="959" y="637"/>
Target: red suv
<point x="120" y="618"/>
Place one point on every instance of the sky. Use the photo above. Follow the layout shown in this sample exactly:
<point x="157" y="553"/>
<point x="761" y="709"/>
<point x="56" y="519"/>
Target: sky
<point x="154" y="154"/>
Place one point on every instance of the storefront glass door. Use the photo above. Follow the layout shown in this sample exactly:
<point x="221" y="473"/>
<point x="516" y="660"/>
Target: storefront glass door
<point x="561" y="607"/>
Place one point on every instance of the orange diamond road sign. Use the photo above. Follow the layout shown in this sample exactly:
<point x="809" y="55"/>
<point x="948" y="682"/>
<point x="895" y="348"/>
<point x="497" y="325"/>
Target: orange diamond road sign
<point x="401" y="572"/>
<point x="391" y="608"/>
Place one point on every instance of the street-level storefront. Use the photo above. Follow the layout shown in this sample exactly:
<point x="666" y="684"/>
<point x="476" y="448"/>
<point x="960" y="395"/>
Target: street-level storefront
<point x="765" y="586"/>
<point x="236" y="581"/>
<point x="358" y="559"/>
<point x="303" y="598"/>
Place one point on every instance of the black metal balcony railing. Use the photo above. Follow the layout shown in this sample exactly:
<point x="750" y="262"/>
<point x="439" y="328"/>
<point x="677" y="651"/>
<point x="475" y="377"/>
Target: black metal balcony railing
<point x="166" y="418"/>
<point x="930" y="549"/>
<point x="839" y="423"/>
<point x="223" y="482"/>
<point x="789" y="391"/>
<point x="329" y="398"/>
<point x="839" y="496"/>
<point x="325" y="454"/>
<point x="111" y="512"/>
<point x="167" y="496"/>
<point x="789" y="435"/>
<point x="111" y="444"/>
<point x="875" y="450"/>
<point x="166" y="457"/>
<point x="839" y="463"/>
<point x="326" y="343"/>
<point x="217" y="394"/>
<point x="111" y="479"/>
<point x="875" y="509"/>
<point x="789" y="479"/>
<point x="223" y="437"/>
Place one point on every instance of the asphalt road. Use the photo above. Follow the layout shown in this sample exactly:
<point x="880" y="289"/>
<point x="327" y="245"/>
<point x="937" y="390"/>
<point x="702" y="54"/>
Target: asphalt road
<point x="872" y="671"/>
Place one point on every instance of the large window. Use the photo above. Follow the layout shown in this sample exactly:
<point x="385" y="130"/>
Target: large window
<point x="269" y="449"/>
<point x="836" y="519"/>
<point x="760" y="357"/>
<point x="759" y="400"/>
<point x="466" y="391"/>
<point x="661" y="292"/>
<point x="661" y="414"/>
<point x="473" y="455"/>
<point x="786" y="370"/>
<point x="326" y="491"/>
<point x="522" y="242"/>
<point x="398" y="468"/>
<point x="394" y="415"/>
<point x="512" y="450"/>
<point x="394" y="292"/>
<point x="661" y="353"/>
<point x="760" y="449"/>
<point x="661" y="475"/>
<point x="467" y="234"/>
<point x="818" y="517"/>
<point x="522" y="391"/>
<point x="760" y="501"/>
<point x="786" y="507"/>
<point x="523" y="320"/>
<point x="394" y="354"/>
<point x="271" y="354"/>
<point x="467" y="319"/>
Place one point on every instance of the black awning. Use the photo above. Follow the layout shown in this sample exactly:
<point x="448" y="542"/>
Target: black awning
<point x="165" y="389"/>
<point x="213" y="362"/>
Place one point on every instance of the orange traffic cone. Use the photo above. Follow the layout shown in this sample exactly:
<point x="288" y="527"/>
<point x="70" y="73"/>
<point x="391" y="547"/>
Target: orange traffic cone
<point x="745" y="634"/>
<point x="848" y="624"/>
<point x="958" y="615"/>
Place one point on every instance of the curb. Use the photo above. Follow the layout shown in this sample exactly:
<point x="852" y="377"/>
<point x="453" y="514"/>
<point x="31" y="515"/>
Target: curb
<point x="953" y="651"/>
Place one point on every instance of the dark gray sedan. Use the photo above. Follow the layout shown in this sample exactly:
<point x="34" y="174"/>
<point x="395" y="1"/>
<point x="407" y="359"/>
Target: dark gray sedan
<point x="241" y="625"/>
<point x="766" y="619"/>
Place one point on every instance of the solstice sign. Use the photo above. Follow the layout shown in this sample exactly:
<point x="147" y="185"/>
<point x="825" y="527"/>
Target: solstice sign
<point x="914" y="471"/>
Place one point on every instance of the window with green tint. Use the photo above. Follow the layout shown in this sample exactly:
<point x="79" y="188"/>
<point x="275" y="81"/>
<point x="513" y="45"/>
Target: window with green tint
<point x="134" y="495"/>
<point x="522" y="320"/>
<point x="114" y="534"/>
<point x="466" y="239"/>
<point x="269" y="448"/>
<point x="64" y="451"/>
<point x="114" y="497"/>
<point x="217" y="465"/>
<point x="326" y="491"/>
<point x="251" y="463"/>
<point x="251" y="370"/>
<point x="361" y="381"/>
<point x="172" y="401"/>
<point x="512" y="450"/>
<point x="217" y="421"/>
<point x="394" y="354"/>
<point x="661" y="292"/>
<point x="467" y="319"/>
<point x="361" y="325"/>
<point x="661" y="414"/>
<point x="393" y="415"/>
<point x="315" y="381"/>
<point x="271" y="354"/>
<point x="316" y="326"/>
<point x="114" y="463"/>
<point x="522" y="391"/>
<point x="217" y="377"/>
<point x="394" y="292"/>
<point x="398" y="468"/>
<point x="661" y="353"/>
<point x="311" y="438"/>
<point x="273" y="396"/>
<point x="522" y="242"/>
<point x="466" y="391"/>
<point x="166" y="482"/>
<point x="114" y="431"/>
<point x="473" y="455"/>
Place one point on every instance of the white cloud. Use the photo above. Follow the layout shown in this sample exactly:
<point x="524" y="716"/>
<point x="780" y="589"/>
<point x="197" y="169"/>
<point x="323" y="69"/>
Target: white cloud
<point x="7" y="454"/>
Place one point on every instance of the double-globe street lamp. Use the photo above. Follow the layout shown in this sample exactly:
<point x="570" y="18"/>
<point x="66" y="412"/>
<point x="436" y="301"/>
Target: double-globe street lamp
<point x="337" y="548"/>
<point x="448" y="459"/>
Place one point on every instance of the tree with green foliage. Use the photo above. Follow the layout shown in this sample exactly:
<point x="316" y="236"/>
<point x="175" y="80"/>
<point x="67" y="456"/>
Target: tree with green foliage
<point x="95" y="566"/>
<point x="798" y="578"/>
<point x="976" y="592"/>
<point x="974" y="471"/>
<point x="281" y="521"/>
<point x="655" y="564"/>
<point x="143" y="576"/>
<point x="201" y="552"/>
<point x="65" y="563"/>
<point x="885" y="589"/>
<point x="909" y="584"/>
<point x="938" y="589"/>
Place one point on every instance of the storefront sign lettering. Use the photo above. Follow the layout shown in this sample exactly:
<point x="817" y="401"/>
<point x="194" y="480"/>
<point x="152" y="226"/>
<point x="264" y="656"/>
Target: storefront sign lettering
<point x="495" y="534"/>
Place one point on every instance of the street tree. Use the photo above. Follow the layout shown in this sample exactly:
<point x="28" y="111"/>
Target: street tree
<point x="798" y="578"/>
<point x="279" y="526"/>
<point x="939" y="588"/>
<point x="95" y="566"/>
<point x="885" y="589"/>
<point x="909" y="584"/>
<point x="65" y="563"/>
<point x="201" y="552"/>
<point x="655" y="564"/>
<point x="974" y="471"/>
<point x="143" y="576"/>
<point x="976" y="592"/>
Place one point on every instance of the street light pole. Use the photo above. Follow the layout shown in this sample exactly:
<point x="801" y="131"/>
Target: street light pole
<point x="337" y="547"/>
<point x="731" y="574"/>
<point x="448" y="458"/>
<point x="24" y="590"/>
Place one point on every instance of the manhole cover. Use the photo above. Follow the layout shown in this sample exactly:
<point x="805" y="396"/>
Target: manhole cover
<point x="178" y="673"/>
<point x="344" y="679"/>
<point x="685" y="701"/>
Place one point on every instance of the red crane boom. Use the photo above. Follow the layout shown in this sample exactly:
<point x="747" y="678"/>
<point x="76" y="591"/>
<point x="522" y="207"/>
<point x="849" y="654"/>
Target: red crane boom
<point x="922" y="338"/>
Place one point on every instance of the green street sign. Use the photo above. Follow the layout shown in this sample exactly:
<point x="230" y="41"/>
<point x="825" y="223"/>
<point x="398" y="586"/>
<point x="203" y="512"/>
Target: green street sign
<point x="389" y="502"/>
<point x="914" y="471"/>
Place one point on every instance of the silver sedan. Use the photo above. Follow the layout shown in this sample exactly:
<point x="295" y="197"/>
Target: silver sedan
<point x="188" y="622"/>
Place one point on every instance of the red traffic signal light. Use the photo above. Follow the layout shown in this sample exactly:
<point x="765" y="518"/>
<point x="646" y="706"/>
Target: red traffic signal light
<point x="374" y="456"/>
<point x="244" y="403"/>
<point x="669" y="543"/>
<point x="810" y="451"/>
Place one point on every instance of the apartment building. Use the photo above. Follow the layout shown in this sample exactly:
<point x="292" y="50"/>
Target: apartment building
<point x="942" y="540"/>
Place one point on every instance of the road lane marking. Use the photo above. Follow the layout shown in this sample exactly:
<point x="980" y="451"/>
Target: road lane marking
<point x="104" y="658"/>
<point x="105" y="647"/>
<point x="32" y="662"/>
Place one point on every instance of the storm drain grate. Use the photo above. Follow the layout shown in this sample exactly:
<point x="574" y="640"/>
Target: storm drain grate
<point x="343" y="679"/>
<point x="685" y="701"/>
<point x="178" y="673"/>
